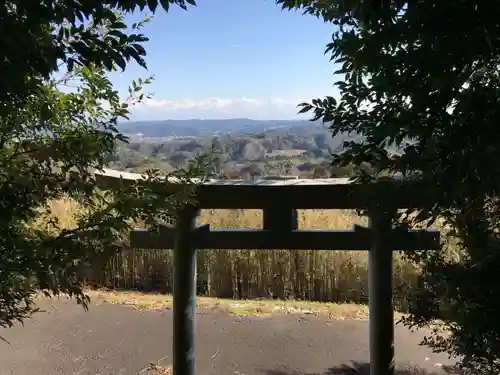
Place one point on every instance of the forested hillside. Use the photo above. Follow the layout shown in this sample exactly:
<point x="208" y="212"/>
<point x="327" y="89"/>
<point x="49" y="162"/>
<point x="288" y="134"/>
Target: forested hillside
<point x="297" y="148"/>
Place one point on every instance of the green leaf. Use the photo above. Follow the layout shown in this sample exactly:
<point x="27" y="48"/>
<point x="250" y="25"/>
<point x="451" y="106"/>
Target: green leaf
<point x="120" y="61"/>
<point x="70" y="64"/>
<point x="165" y="4"/>
<point x="140" y="49"/>
<point x="152" y="4"/>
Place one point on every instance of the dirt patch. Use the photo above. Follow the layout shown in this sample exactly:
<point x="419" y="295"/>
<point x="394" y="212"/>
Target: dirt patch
<point x="155" y="369"/>
<point x="147" y="301"/>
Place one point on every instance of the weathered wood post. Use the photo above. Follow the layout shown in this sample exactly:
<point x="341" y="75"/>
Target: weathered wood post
<point x="279" y="218"/>
<point x="185" y="293"/>
<point x="380" y="292"/>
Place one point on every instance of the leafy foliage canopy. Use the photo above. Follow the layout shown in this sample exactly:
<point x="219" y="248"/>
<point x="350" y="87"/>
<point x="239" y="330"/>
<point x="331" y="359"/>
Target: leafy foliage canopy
<point x="58" y="117"/>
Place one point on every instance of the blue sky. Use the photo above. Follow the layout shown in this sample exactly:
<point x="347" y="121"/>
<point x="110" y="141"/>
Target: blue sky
<point x="231" y="58"/>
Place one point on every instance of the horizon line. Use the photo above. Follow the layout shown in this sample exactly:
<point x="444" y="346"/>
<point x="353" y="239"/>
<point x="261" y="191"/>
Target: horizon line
<point x="219" y="119"/>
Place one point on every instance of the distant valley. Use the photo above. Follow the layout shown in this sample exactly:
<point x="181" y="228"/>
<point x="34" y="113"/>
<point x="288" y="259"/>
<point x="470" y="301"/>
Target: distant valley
<point x="247" y="148"/>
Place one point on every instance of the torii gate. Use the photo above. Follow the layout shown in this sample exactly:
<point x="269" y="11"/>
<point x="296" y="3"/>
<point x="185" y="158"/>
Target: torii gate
<point x="279" y="201"/>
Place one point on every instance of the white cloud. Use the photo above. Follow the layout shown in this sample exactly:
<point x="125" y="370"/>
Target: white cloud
<point x="272" y="108"/>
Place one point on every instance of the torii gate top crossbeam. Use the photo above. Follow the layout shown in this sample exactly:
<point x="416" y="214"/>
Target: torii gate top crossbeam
<point x="332" y="193"/>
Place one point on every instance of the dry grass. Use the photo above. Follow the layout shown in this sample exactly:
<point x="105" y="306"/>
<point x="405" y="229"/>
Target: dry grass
<point x="156" y="369"/>
<point x="149" y="301"/>
<point x="65" y="211"/>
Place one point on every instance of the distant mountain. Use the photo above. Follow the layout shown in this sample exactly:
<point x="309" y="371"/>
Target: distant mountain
<point x="206" y="128"/>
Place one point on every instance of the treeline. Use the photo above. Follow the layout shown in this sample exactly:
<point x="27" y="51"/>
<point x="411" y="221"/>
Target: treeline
<point x="328" y="276"/>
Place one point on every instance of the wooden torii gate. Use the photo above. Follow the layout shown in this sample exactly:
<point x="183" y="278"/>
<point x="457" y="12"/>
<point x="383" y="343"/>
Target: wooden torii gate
<point x="279" y="201"/>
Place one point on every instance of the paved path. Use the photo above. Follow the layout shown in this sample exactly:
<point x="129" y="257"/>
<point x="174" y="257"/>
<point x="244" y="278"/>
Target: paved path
<point x="111" y="339"/>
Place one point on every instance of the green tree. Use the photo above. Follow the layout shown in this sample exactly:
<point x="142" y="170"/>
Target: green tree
<point x="52" y="139"/>
<point x="424" y="76"/>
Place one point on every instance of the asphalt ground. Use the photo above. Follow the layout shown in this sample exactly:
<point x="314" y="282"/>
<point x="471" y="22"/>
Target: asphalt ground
<point x="115" y="339"/>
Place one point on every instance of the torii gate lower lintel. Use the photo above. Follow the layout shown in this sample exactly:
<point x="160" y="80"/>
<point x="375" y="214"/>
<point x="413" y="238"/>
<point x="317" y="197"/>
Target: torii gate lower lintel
<point x="279" y="201"/>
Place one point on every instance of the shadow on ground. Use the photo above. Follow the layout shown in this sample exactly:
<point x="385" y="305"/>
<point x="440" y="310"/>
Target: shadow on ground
<point x="363" y="368"/>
